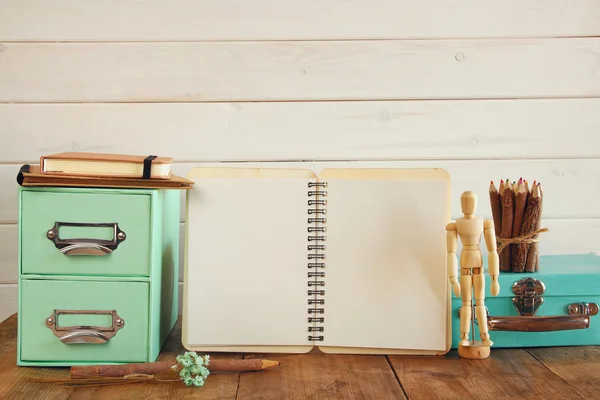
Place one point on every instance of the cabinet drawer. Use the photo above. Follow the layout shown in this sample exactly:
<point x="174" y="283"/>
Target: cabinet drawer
<point x="94" y="232"/>
<point x="76" y="321"/>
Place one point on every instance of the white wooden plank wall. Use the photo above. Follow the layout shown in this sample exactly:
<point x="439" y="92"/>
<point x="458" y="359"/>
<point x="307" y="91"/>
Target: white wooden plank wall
<point x="484" y="89"/>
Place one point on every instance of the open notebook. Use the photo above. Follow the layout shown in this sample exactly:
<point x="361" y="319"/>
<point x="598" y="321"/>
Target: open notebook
<point x="351" y="261"/>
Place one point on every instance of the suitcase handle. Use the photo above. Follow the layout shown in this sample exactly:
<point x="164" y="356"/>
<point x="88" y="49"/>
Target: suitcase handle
<point x="86" y="246"/>
<point x="579" y="316"/>
<point x="539" y="324"/>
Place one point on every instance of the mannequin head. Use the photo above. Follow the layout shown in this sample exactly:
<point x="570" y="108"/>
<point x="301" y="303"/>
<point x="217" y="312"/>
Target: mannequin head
<point x="468" y="203"/>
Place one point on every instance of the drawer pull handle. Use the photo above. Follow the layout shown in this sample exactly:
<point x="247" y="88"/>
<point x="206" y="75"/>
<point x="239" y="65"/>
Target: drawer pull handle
<point x="90" y="337"/>
<point x="84" y="333"/>
<point x="86" y="246"/>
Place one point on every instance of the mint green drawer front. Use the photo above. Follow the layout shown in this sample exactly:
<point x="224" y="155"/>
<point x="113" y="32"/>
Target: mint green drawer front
<point x="40" y="299"/>
<point x="40" y="210"/>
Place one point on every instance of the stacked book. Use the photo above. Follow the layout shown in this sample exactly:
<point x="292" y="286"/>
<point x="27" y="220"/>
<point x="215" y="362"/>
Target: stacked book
<point x="102" y="170"/>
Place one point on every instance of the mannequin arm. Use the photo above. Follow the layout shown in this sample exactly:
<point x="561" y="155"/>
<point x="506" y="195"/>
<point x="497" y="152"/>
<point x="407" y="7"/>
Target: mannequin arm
<point x="493" y="261"/>
<point x="451" y="245"/>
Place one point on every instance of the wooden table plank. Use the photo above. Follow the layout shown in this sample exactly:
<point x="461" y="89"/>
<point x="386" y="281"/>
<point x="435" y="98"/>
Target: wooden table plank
<point x="559" y="372"/>
<point x="318" y="376"/>
<point x="12" y="383"/>
<point x="579" y="366"/>
<point x="506" y="374"/>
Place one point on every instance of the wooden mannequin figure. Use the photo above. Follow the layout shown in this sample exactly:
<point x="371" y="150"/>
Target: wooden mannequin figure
<point x="469" y="229"/>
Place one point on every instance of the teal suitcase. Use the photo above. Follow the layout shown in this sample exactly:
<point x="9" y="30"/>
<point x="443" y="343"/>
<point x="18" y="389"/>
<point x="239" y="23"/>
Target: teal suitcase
<point x="98" y="274"/>
<point x="555" y="306"/>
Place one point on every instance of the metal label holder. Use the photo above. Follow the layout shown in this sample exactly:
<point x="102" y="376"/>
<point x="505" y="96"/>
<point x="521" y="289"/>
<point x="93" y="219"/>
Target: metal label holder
<point x="86" y="246"/>
<point x="85" y="333"/>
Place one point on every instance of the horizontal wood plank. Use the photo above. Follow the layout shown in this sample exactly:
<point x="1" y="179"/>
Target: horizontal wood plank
<point x="87" y="20"/>
<point x="322" y="376"/>
<point x="299" y="70"/>
<point x="480" y="129"/>
<point x="509" y="373"/>
<point x="559" y="178"/>
<point x="9" y="252"/>
<point x="579" y="366"/>
<point x="565" y="236"/>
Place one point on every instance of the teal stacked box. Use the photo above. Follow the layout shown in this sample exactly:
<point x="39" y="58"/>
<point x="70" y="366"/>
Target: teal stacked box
<point x="556" y="306"/>
<point x="98" y="274"/>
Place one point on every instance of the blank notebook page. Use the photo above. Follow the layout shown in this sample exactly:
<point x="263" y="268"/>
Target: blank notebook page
<point x="386" y="274"/>
<point x="246" y="260"/>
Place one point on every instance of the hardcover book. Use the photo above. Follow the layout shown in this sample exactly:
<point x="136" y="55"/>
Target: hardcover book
<point x="349" y="260"/>
<point x="107" y="165"/>
<point x="30" y="175"/>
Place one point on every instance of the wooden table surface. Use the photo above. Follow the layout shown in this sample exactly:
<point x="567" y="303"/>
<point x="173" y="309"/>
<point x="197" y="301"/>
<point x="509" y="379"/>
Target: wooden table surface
<point x="542" y="373"/>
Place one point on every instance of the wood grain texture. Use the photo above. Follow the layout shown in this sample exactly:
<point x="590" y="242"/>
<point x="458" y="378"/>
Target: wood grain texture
<point x="86" y="20"/>
<point x="322" y="376"/>
<point x="579" y="366"/>
<point x="480" y="129"/>
<point x="559" y="177"/>
<point x="297" y="70"/>
<point x="13" y="386"/>
<point x="9" y="253"/>
<point x="506" y="374"/>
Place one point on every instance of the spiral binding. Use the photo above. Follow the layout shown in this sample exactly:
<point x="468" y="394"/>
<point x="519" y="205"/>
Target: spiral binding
<point x="316" y="257"/>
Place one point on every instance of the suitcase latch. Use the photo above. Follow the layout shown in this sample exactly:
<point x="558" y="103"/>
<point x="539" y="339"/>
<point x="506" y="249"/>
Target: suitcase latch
<point x="528" y="293"/>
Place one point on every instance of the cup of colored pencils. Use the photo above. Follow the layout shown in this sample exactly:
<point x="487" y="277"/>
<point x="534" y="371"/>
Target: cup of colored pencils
<point x="517" y="213"/>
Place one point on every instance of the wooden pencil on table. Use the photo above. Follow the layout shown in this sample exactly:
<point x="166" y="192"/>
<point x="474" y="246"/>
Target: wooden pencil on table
<point x="533" y="255"/>
<point x="508" y="200"/>
<point x="520" y="204"/>
<point x="496" y="208"/>
<point x="530" y="221"/>
<point x="161" y="367"/>
<point x="537" y="261"/>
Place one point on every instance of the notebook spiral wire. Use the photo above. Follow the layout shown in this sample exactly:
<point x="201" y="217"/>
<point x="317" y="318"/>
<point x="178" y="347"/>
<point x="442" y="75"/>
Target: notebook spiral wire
<point x="316" y="259"/>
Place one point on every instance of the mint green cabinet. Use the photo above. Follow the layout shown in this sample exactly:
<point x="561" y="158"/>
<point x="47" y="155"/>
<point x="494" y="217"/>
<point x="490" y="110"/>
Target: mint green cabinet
<point x="98" y="274"/>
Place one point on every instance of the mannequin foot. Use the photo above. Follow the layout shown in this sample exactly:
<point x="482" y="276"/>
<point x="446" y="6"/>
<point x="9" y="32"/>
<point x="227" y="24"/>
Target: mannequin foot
<point x="487" y="343"/>
<point x="465" y="342"/>
<point x="474" y="351"/>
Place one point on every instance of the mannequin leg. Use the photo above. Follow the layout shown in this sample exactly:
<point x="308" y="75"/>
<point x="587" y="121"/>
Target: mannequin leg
<point x="465" y="310"/>
<point x="479" y="289"/>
